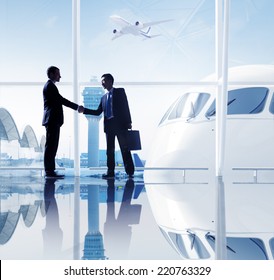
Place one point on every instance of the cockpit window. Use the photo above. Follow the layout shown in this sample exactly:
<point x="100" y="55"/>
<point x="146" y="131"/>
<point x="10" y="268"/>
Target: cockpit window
<point x="189" y="245"/>
<point x="242" y="248"/>
<point x="243" y="101"/>
<point x="167" y="112"/>
<point x="271" y="108"/>
<point x="188" y="106"/>
<point x="271" y="243"/>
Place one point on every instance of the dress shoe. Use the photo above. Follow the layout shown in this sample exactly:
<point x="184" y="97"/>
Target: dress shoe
<point x="54" y="175"/>
<point x="108" y="176"/>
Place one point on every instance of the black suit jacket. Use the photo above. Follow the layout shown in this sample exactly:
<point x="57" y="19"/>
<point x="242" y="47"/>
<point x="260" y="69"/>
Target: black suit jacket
<point x="120" y="109"/>
<point x="53" y="105"/>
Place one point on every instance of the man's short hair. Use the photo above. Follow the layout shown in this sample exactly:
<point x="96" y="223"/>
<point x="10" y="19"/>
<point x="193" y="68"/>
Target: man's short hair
<point x="51" y="70"/>
<point x="108" y="77"/>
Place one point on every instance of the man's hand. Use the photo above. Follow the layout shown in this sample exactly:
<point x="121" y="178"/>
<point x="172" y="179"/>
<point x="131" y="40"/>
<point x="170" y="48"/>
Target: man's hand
<point x="81" y="109"/>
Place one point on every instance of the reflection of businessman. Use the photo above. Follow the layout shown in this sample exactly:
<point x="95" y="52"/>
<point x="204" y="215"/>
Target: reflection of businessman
<point x="52" y="233"/>
<point x="117" y="121"/>
<point x="117" y="231"/>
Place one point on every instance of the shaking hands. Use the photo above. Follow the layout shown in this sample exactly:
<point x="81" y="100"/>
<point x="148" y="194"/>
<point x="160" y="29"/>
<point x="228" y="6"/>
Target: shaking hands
<point x="80" y="109"/>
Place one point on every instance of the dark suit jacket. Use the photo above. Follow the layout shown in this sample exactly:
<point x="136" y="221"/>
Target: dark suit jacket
<point x="120" y="108"/>
<point x="53" y="101"/>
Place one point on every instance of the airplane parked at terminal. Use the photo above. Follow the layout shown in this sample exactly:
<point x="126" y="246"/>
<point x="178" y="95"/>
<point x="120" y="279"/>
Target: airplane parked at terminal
<point x="136" y="29"/>
<point x="185" y="136"/>
<point x="184" y="153"/>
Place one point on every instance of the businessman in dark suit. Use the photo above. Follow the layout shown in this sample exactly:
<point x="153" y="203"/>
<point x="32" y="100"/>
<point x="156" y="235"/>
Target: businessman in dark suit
<point x="117" y="121"/>
<point x="53" y="119"/>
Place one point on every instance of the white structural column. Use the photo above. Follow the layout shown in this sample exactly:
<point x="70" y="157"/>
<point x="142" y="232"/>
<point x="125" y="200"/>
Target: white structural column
<point x="76" y="215"/>
<point x="218" y="70"/>
<point x="222" y="32"/>
<point x="221" y="97"/>
<point x="75" y="66"/>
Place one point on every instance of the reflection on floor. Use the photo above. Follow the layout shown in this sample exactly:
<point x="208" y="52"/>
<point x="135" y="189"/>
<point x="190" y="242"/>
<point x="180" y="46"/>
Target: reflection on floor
<point x="78" y="218"/>
<point x="91" y="218"/>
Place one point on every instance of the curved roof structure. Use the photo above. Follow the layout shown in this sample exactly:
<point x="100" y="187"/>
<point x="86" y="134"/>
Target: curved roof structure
<point x="29" y="213"/>
<point x="43" y="143"/>
<point x="8" y="129"/>
<point x="8" y="223"/>
<point x="41" y="147"/>
<point x="9" y="219"/>
<point x="29" y="139"/>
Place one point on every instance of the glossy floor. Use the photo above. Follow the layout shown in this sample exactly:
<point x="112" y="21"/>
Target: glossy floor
<point x="78" y="218"/>
<point x="91" y="218"/>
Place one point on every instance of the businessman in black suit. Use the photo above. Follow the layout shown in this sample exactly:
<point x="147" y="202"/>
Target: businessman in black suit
<point x="117" y="120"/>
<point x="53" y="119"/>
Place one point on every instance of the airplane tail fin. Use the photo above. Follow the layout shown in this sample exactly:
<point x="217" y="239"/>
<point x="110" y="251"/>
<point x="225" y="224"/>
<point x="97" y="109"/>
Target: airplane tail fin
<point x="146" y="33"/>
<point x="147" y="30"/>
<point x="137" y="161"/>
<point x="147" y="36"/>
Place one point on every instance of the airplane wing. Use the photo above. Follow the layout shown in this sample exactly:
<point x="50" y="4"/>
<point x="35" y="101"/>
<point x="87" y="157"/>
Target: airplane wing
<point x="120" y="21"/>
<point x="117" y="34"/>
<point x="123" y="23"/>
<point x="115" y="37"/>
<point x="148" y="24"/>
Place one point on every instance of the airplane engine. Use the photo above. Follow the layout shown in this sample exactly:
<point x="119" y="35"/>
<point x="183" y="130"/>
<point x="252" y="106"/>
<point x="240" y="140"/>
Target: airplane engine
<point x="139" y="24"/>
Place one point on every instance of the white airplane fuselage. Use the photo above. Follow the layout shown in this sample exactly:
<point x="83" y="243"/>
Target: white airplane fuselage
<point x="184" y="205"/>
<point x="190" y="141"/>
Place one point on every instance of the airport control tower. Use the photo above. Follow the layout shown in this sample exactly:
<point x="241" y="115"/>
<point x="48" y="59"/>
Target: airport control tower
<point x="94" y="245"/>
<point x="92" y="96"/>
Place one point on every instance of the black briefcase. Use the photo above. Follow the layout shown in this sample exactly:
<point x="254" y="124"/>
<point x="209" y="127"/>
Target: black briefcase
<point x="133" y="140"/>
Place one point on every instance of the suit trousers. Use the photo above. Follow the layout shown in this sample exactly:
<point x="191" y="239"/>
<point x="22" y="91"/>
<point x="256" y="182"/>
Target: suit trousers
<point x="51" y="146"/>
<point x="126" y="154"/>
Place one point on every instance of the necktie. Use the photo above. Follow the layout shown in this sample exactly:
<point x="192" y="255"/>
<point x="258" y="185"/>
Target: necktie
<point x="109" y="105"/>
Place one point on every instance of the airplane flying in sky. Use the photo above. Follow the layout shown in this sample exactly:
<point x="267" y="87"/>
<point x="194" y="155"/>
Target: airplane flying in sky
<point x="137" y="29"/>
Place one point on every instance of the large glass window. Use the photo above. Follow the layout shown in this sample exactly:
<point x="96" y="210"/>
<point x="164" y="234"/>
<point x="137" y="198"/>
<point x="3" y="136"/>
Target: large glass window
<point x="243" y="101"/>
<point x="188" y="106"/>
<point x="177" y="51"/>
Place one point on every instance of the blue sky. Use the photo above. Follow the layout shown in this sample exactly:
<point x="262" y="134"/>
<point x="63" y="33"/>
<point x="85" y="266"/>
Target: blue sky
<point x="36" y="34"/>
